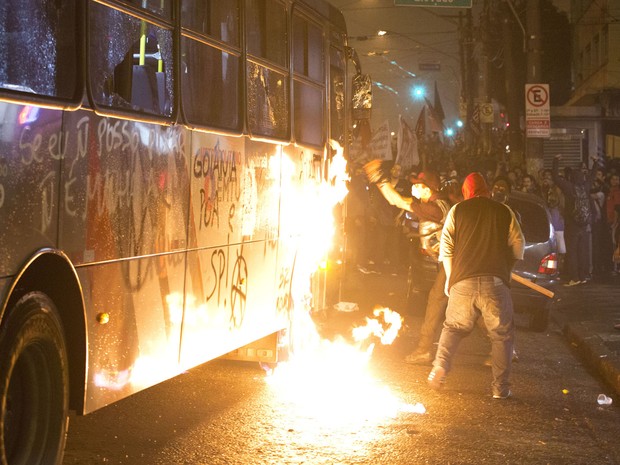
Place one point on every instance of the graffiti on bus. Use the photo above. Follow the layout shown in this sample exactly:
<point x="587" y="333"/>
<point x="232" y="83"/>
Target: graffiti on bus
<point x="218" y="169"/>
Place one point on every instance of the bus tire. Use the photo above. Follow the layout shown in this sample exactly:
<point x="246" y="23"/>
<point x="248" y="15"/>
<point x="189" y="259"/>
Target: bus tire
<point x="34" y="383"/>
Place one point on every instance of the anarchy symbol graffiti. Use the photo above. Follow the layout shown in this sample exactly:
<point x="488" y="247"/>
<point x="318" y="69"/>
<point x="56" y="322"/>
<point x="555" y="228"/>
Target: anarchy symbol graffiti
<point x="238" y="291"/>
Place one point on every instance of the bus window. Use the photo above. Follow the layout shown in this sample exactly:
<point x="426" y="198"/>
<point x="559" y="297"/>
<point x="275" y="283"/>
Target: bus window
<point x="309" y="72"/>
<point x="161" y="8"/>
<point x="267" y="102"/>
<point x="210" y="80"/>
<point x="307" y="49"/>
<point x="218" y="19"/>
<point x="210" y="76"/>
<point x="265" y="28"/>
<point x="130" y="62"/>
<point x="337" y="106"/>
<point x="308" y="114"/>
<point x="267" y="86"/>
<point x="39" y="48"/>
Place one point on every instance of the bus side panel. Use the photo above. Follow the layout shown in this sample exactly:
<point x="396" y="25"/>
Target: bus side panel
<point x="134" y="324"/>
<point x="234" y="220"/>
<point x="234" y="192"/>
<point x="124" y="205"/>
<point x="233" y="302"/>
<point x="31" y="147"/>
<point x="125" y="189"/>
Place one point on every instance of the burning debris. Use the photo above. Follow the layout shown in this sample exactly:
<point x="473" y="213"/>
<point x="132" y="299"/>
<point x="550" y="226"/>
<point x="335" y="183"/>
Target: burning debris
<point x="330" y="380"/>
<point x="385" y="331"/>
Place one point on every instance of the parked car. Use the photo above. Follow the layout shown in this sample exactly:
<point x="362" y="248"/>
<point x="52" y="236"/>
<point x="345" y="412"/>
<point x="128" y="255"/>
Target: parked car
<point x="539" y="265"/>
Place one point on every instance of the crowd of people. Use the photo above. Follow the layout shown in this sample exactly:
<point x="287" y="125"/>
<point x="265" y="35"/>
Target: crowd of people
<point x="476" y="240"/>
<point x="587" y="248"/>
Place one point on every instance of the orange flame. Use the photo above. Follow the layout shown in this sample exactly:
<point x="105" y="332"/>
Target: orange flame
<point x="374" y="327"/>
<point x="331" y="380"/>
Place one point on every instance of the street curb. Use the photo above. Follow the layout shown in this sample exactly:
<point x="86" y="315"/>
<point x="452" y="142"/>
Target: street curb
<point x="593" y="349"/>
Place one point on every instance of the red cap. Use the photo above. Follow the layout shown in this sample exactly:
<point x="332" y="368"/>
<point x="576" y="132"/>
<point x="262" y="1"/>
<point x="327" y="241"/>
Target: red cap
<point x="428" y="178"/>
<point x="475" y="186"/>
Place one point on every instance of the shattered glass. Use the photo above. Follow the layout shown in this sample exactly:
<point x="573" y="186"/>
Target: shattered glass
<point x="337" y="94"/>
<point x="267" y="102"/>
<point x="362" y="96"/>
<point x="131" y="65"/>
<point x="39" y="47"/>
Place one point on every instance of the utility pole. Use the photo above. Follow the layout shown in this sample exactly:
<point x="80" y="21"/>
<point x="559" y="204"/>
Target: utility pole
<point x="463" y="93"/>
<point x="469" y="73"/>
<point x="533" y="145"/>
<point x="483" y="84"/>
<point x="515" y="139"/>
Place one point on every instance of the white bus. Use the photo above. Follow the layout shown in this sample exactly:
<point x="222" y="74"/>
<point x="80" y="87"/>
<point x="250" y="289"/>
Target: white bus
<point x="151" y="153"/>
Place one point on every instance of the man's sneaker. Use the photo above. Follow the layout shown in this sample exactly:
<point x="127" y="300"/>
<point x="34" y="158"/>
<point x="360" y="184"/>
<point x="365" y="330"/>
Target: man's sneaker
<point x="502" y="395"/>
<point x="437" y="377"/>
<point x="419" y="358"/>
<point x="572" y="282"/>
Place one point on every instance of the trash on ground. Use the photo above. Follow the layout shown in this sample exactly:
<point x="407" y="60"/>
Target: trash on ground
<point x="346" y="307"/>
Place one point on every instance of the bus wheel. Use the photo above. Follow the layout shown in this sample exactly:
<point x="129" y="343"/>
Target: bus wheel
<point x="34" y="380"/>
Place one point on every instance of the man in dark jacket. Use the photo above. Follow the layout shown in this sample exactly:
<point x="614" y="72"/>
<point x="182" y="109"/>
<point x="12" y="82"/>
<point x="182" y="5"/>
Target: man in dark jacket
<point x="480" y="242"/>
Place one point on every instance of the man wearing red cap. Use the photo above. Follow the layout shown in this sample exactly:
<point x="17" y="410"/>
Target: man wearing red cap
<point x="431" y="209"/>
<point x="480" y="243"/>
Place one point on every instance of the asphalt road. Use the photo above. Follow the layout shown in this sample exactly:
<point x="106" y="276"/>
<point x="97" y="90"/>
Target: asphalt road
<point x="232" y="413"/>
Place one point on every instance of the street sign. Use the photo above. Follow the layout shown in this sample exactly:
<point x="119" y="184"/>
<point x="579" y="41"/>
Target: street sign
<point x="486" y="113"/>
<point x="445" y="3"/>
<point x="429" y="66"/>
<point x="537" y="110"/>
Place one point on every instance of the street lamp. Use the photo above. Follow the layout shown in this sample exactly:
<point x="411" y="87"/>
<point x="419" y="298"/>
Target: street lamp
<point x="418" y="92"/>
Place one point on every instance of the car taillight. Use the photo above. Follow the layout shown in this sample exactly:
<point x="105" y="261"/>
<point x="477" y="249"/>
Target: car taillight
<point x="549" y="264"/>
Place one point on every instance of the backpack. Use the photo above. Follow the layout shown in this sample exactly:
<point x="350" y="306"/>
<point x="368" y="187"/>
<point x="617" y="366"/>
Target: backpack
<point x="581" y="210"/>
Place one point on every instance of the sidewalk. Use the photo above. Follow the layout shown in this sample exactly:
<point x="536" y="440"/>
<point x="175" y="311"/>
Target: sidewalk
<point x="586" y="314"/>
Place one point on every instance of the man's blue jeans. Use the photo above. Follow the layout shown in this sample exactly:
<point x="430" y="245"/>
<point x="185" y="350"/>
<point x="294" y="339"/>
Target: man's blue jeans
<point x="435" y="311"/>
<point x="485" y="296"/>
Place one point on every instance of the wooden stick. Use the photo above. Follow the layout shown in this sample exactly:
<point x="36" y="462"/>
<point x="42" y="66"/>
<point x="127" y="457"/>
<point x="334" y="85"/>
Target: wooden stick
<point x="531" y="285"/>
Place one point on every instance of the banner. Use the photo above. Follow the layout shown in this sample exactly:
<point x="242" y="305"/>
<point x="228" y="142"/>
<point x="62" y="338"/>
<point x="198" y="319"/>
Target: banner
<point x="438" y="107"/>
<point x="381" y="143"/>
<point x="420" y="126"/>
<point x="407" y="155"/>
<point x="433" y="119"/>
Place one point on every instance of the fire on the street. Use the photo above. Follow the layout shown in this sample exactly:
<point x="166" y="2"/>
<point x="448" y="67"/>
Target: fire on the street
<point x="330" y="381"/>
